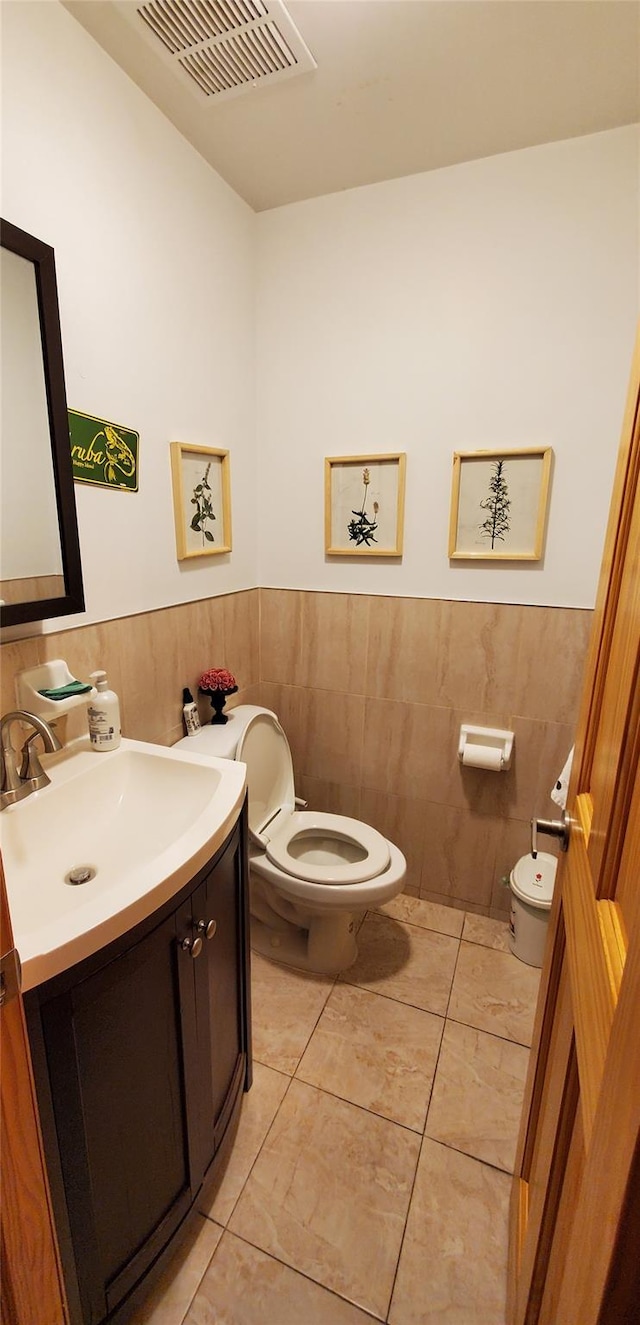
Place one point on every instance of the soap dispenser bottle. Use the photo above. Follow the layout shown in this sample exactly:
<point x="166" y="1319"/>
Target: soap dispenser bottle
<point x="104" y="715"/>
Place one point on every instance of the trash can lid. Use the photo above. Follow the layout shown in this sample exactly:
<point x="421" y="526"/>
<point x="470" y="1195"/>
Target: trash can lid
<point x="533" y="880"/>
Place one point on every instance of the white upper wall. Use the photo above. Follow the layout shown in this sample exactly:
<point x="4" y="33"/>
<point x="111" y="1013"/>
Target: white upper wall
<point x="155" y="265"/>
<point x="491" y="304"/>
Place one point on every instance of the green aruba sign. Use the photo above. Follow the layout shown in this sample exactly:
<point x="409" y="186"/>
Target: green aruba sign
<point x="102" y="452"/>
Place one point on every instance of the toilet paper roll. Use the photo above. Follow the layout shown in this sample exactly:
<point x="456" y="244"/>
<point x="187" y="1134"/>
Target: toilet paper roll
<point x="482" y="756"/>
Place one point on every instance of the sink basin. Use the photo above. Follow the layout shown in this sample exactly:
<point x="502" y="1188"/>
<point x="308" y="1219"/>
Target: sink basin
<point x="140" y="821"/>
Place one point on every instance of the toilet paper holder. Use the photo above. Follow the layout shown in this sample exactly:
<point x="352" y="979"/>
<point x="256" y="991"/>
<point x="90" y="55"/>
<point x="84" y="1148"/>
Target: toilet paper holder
<point x="485" y="747"/>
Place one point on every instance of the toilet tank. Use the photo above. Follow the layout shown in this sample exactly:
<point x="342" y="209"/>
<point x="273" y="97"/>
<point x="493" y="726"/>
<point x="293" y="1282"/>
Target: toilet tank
<point x="221" y="739"/>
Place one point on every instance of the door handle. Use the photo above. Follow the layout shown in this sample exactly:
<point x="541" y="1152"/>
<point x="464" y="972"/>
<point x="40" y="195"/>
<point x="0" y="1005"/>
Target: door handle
<point x="560" y="828"/>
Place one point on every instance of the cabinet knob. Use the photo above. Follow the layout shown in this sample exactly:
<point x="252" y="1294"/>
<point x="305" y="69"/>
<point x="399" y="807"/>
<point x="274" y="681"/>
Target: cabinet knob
<point x="192" y="946"/>
<point x="208" y="929"/>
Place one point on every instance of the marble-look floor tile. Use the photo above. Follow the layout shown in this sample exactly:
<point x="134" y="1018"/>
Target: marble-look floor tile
<point x="375" y="1052"/>
<point x="477" y="1095"/>
<point x="286" y="1005"/>
<point x="168" y="1301"/>
<point x="489" y="933"/>
<point x="494" y="992"/>
<point x="405" y="962"/>
<point x="428" y="915"/>
<point x="329" y="1194"/>
<point x="243" y="1286"/>
<point x="451" y="903"/>
<point x="259" y="1108"/>
<point x="453" y="1266"/>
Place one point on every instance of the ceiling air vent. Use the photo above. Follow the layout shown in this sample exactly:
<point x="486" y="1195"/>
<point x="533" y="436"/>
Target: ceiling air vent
<point x="224" y="47"/>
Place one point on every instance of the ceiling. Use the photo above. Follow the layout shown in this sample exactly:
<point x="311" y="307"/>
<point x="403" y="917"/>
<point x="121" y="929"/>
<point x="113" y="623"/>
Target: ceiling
<point x="401" y="86"/>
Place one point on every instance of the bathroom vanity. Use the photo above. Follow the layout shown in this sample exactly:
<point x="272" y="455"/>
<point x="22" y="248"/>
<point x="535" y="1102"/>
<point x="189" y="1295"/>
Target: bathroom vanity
<point x="141" y="1052"/>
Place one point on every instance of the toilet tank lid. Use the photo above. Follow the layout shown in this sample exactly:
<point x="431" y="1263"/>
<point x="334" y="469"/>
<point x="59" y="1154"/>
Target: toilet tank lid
<point x="221" y="739"/>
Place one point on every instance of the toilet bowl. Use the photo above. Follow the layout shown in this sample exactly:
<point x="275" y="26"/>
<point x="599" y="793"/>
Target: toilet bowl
<point x="311" y="873"/>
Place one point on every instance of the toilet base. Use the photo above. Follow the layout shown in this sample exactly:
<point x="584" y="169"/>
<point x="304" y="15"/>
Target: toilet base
<point x="327" y="947"/>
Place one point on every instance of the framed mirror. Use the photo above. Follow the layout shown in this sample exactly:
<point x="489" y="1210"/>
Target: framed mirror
<point x="40" y="570"/>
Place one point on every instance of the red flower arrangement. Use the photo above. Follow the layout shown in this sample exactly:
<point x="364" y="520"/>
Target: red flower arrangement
<point x="217" y="682"/>
<point x="217" y="678"/>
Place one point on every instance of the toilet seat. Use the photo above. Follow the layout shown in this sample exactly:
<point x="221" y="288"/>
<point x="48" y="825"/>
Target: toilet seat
<point x="325" y="897"/>
<point x="300" y="836"/>
<point x="296" y="841"/>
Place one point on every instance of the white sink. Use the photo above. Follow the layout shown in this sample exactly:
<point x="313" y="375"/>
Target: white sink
<point x="143" y="819"/>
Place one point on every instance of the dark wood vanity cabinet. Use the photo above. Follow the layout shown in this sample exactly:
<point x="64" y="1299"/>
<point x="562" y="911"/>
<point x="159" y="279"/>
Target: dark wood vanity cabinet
<point x="141" y="1054"/>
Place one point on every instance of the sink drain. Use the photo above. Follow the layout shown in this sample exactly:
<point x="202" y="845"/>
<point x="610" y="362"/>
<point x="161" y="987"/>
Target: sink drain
<point x="81" y="874"/>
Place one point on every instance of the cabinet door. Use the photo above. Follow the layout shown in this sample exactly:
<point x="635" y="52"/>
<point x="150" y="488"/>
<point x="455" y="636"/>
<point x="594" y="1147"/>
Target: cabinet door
<point x="115" y="1045"/>
<point x="221" y="993"/>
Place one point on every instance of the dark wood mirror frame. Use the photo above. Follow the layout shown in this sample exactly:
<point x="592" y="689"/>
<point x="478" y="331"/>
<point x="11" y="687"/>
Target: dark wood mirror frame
<point x="72" y="600"/>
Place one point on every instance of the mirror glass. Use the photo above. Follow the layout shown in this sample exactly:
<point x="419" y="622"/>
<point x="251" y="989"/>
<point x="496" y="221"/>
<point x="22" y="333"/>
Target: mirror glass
<point x="30" y="552"/>
<point x="39" y="553"/>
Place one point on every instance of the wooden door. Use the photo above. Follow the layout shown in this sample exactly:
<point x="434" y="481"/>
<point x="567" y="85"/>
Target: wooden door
<point x="31" y="1286"/>
<point x="575" y="1216"/>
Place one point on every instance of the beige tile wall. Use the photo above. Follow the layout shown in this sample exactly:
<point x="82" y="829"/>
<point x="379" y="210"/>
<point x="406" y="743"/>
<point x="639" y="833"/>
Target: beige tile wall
<point x="371" y="692"/>
<point x="149" y="658"/>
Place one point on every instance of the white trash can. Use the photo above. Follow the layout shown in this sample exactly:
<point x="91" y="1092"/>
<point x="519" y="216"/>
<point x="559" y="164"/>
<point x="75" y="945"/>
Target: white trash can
<point x="532" y="883"/>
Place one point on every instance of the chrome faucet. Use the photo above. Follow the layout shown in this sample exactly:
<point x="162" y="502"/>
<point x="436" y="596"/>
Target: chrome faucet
<point x="16" y="785"/>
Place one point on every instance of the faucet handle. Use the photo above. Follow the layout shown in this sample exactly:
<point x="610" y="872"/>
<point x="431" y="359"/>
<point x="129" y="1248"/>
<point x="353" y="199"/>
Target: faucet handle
<point x="31" y="770"/>
<point x="13" y="788"/>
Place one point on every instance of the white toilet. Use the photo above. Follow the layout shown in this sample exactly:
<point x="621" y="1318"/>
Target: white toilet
<point x="311" y="873"/>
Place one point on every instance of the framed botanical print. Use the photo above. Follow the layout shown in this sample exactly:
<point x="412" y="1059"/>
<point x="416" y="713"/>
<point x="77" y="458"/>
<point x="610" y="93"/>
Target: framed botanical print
<point x="201" y="500"/>
<point x="364" y="505"/>
<point x="499" y="504"/>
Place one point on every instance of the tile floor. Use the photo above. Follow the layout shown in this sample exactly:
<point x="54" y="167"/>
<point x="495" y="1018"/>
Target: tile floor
<point x="370" y="1175"/>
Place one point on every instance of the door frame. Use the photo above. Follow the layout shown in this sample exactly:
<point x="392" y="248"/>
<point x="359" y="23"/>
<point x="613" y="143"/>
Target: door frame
<point x="32" y="1285"/>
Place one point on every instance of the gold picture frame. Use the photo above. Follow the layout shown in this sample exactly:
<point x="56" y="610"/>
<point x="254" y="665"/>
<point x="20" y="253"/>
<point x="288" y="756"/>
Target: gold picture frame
<point x="201" y="500"/>
<point x="499" y="504"/>
<point x="364" y="505"/>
